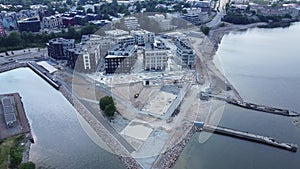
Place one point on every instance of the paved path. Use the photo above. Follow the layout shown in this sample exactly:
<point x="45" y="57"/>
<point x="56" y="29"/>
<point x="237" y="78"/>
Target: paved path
<point x="106" y="124"/>
<point x="100" y="118"/>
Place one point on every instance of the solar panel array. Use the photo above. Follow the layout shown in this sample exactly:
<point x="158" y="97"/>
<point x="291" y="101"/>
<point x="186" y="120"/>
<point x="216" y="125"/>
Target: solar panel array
<point x="9" y="110"/>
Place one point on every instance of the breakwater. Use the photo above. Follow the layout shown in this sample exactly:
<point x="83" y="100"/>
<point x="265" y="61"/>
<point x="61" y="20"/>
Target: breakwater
<point x="251" y="106"/>
<point x="246" y="136"/>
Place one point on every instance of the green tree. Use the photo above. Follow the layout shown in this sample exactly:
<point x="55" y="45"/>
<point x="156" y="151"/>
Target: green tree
<point x="28" y="165"/>
<point x="69" y="2"/>
<point x="110" y="110"/>
<point x="205" y="30"/>
<point x="15" y="157"/>
<point x="138" y="6"/>
<point x="80" y="8"/>
<point x="104" y="101"/>
<point x="71" y="32"/>
<point x="89" y="10"/>
<point x="13" y="39"/>
<point x="105" y="16"/>
<point x="107" y="104"/>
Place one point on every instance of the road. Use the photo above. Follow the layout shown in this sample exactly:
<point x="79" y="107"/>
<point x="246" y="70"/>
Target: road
<point x="218" y="18"/>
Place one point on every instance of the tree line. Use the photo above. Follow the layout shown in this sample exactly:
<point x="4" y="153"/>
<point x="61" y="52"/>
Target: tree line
<point x="16" y="40"/>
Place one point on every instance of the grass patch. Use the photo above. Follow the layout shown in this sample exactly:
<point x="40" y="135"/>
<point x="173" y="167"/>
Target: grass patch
<point x="11" y="146"/>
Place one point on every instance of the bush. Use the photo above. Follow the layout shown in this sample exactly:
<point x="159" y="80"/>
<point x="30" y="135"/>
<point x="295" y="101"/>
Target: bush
<point x="28" y="165"/>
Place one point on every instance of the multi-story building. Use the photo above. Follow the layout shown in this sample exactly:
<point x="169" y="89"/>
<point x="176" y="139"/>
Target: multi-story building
<point x="84" y="58"/>
<point x="93" y="17"/>
<point x="192" y="17"/>
<point x="155" y="56"/>
<point x="9" y="20"/>
<point x="24" y="14"/>
<point x="80" y="19"/>
<point x="104" y="43"/>
<point x="164" y="23"/>
<point x="120" y="58"/>
<point x="142" y="37"/>
<point x="116" y="33"/>
<point x="131" y="23"/>
<point x="129" y="40"/>
<point x="30" y="25"/>
<point x="54" y="21"/>
<point x="57" y="48"/>
<point x="185" y="54"/>
<point x="68" y="21"/>
<point x="204" y="5"/>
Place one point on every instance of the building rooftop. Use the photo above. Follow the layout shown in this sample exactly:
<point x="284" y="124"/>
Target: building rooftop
<point x="157" y="45"/>
<point x="124" y="37"/>
<point x="182" y="44"/>
<point x="122" y="47"/>
<point x="61" y="40"/>
<point x="9" y="110"/>
<point x="121" y="50"/>
<point x="28" y="20"/>
<point x="139" y="32"/>
<point x="116" y="33"/>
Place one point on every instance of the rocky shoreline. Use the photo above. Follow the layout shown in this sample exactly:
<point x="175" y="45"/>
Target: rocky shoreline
<point x="101" y="131"/>
<point x="169" y="158"/>
<point x="12" y="66"/>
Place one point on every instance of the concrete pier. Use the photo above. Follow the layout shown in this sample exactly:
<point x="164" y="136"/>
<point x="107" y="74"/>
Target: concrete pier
<point x="44" y="74"/>
<point x="246" y="136"/>
<point x="251" y="106"/>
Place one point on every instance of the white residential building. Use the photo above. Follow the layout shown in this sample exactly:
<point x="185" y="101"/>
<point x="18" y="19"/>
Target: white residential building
<point x="155" y="56"/>
<point x="121" y="36"/>
<point x="164" y="22"/>
<point x="142" y="37"/>
<point x="185" y="54"/>
<point x="116" y="33"/>
<point x="131" y="23"/>
<point x="53" y="21"/>
<point x="104" y="42"/>
<point x="89" y="6"/>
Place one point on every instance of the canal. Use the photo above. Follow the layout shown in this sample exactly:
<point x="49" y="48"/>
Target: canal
<point x="60" y="142"/>
<point x="263" y="64"/>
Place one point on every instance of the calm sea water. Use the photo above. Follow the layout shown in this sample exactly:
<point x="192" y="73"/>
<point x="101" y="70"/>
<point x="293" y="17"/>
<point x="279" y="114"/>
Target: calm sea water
<point x="264" y="65"/>
<point x="60" y="142"/>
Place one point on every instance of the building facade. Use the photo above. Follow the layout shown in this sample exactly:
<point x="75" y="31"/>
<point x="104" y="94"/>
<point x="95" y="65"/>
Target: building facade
<point x="142" y="37"/>
<point x="155" y="56"/>
<point x="129" y="40"/>
<point x="185" y="54"/>
<point x="131" y="23"/>
<point x="54" y="21"/>
<point x="84" y="58"/>
<point x="58" y="47"/>
<point x="29" y="25"/>
<point x="120" y="58"/>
